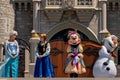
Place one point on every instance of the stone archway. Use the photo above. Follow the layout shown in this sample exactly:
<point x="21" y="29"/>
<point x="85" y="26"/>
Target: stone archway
<point x="73" y="25"/>
<point x="58" y="47"/>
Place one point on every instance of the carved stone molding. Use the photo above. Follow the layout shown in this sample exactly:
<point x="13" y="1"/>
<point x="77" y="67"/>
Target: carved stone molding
<point x="69" y="4"/>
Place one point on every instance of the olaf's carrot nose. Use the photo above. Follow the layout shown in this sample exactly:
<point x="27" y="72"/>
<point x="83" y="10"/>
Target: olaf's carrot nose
<point x="115" y="41"/>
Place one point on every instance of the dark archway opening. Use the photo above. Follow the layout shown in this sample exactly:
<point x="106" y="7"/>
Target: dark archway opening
<point x="62" y="34"/>
<point x="23" y="45"/>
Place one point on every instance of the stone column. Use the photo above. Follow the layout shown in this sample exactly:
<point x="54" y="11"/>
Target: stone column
<point x="6" y="17"/>
<point x="36" y="7"/>
<point x="1" y="53"/>
<point x="104" y="30"/>
<point x="104" y="17"/>
<point x="33" y="42"/>
<point x="75" y="3"/>
<point x="31" y="70"/>
<point x="27" y="62"/>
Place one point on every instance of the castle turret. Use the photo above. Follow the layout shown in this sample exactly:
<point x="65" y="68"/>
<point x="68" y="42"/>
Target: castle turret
<point x="6" y="19"/>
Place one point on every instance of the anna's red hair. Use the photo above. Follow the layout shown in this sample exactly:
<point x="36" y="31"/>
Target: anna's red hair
<point x="44" y="36"/>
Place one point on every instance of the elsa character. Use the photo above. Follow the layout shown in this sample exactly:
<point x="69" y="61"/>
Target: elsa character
<point x="10" y="64"/>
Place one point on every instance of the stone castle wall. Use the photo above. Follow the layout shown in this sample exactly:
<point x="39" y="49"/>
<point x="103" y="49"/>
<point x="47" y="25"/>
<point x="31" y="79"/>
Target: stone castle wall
<point x="23" y="18"/>
<point x="6" y="19"/>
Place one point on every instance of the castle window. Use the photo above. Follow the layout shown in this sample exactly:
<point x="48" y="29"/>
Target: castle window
<point x="16" y="6"/>
<point x="22" y="6"/>
<point x="90" y="2"/>
<point x="51" y="2"/>
<point x="54" y="2"/>
<point x="87" y="2"/>
<point x="58" y="2"/>
<point x="84" y="2"/>
<point x="110" y="6"/>
<point x="116" y="6"/>
<point x="28" y="6"/>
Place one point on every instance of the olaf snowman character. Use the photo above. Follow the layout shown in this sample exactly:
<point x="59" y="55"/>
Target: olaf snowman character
<point x="105" y="66"/>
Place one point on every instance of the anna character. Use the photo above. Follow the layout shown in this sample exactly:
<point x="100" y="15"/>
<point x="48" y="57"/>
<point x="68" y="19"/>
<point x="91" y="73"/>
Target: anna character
<point x="43" y="67"/>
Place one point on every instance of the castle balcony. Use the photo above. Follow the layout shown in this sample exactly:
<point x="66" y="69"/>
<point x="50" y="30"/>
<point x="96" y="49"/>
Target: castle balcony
<point x="75" y="4"/>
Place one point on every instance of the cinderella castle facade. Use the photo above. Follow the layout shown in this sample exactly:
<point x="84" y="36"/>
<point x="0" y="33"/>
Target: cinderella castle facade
<point x="93" y="19"/>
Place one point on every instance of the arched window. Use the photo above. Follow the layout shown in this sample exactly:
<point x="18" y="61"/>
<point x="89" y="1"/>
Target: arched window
<point x="28" y="6"/>
<point x="110" y="6"/>
<point x="22" y="6"/>
<point x="116" y="6"/>
<point x="91" y="2"/>
<point x="16" y="6"/>
<point x="52" y="2"/>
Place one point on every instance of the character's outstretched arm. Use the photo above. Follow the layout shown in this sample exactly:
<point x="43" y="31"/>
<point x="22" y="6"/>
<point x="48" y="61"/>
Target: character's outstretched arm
<point x="103" y="52"/>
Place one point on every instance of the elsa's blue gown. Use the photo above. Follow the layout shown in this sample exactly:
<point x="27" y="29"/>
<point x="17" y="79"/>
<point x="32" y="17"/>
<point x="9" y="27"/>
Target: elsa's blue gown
<point x="43" y="67"/>
<point x="10" y="64"/>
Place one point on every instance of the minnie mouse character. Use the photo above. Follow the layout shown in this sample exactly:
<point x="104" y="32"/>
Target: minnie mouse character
<point x="74" y="64"/>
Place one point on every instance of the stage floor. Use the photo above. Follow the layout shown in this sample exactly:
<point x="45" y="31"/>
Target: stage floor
<point x="59" y="78"/>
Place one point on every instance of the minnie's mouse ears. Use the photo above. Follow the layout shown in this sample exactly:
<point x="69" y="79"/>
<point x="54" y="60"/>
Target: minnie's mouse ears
<point x="67" y="35"/>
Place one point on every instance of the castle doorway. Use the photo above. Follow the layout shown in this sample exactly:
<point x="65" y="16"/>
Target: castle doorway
<point x="59" y="54"/>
